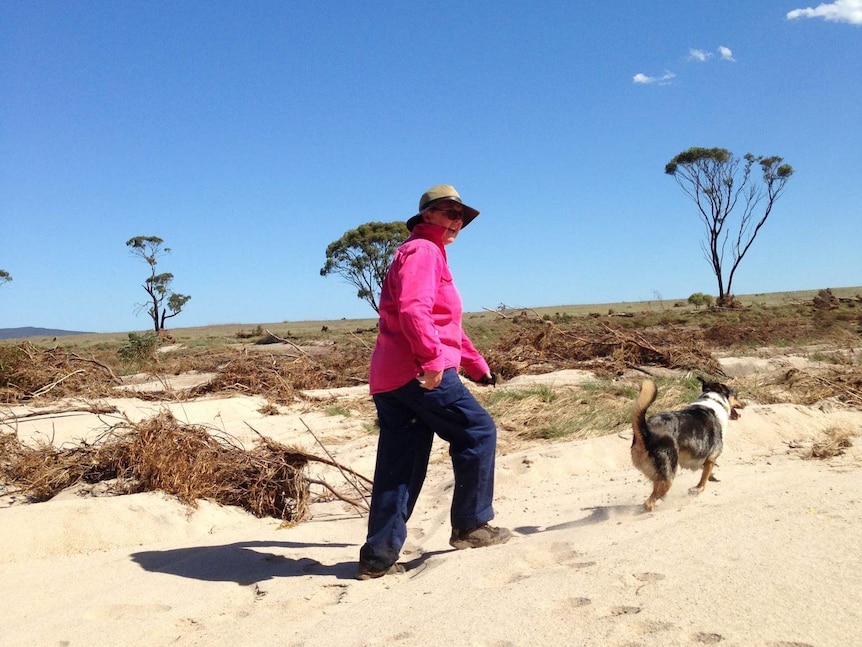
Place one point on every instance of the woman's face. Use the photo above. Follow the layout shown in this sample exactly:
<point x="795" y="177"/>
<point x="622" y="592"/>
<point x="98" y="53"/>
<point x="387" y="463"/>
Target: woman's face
<point x="447" y="215"/>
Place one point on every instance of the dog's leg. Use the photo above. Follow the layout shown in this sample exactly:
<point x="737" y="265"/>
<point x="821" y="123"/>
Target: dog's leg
<point x="659" y="489"/>
<point x="704" y="477"/>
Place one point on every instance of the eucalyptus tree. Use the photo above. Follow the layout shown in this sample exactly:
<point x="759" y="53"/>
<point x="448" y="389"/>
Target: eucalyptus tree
<point x="363" y="255"/>
<point x="163" y="302"/>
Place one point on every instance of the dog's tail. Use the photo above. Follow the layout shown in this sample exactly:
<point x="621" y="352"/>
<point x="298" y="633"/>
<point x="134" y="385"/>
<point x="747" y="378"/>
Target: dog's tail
<point x="645" y="398"/>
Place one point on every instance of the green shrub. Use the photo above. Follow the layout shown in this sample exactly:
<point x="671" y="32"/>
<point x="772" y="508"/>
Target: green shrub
<point x="140" y="349"/>
<point x="700" y="299"/>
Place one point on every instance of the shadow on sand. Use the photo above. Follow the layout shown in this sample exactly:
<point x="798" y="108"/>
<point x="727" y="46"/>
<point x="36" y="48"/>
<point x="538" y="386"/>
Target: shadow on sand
<point x="244" y="563"/>
<point x="598" y="514"/>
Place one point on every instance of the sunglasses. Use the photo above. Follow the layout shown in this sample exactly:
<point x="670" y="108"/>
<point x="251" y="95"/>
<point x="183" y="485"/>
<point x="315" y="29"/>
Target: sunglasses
<point x="451" y="211"/>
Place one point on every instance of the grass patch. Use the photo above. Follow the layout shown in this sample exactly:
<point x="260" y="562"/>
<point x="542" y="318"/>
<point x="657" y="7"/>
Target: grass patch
<point x="337" y="410"/>
<point x="593" y="409"/>
<point x="546" y="413"/>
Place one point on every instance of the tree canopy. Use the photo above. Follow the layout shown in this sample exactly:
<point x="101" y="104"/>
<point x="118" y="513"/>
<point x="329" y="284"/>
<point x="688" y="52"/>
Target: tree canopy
<point x="5" y="277"/>
<point x="717" y="182"/>
<point x="163" y="302"/>
<point x="363" y="255"/>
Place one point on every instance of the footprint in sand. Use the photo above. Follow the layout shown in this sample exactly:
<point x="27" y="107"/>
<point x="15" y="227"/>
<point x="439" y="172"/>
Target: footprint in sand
<point x="646" y="578"/>
<point x="708" y="638"/>
<point x="575" y="603"/>
<point x="648" y="627"/>
<point x="400" y="637"/>
<point x="120" y="611"/>
<point x="556" y="555"/>
<point x="328" y="595"/>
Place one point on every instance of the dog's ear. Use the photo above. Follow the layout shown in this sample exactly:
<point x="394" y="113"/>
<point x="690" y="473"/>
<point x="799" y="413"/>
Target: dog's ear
<point x="718" y="387"/>
<point x="707" y="386"/>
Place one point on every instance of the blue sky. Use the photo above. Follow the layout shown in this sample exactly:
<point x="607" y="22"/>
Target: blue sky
<point x="250" y="135"/>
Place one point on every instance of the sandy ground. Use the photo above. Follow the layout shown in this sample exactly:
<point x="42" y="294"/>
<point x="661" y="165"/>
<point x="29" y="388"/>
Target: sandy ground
<point x="769" y="556"/>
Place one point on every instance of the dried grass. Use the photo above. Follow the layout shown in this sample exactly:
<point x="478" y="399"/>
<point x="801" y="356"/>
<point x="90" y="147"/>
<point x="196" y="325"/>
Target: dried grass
<point x="834" y="442"/>
<point x="186" y="461"/>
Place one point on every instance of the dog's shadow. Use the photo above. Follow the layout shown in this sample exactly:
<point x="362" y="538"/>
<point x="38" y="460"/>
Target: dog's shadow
<point x="244" y="563"/>
<point x="597" y="514"/>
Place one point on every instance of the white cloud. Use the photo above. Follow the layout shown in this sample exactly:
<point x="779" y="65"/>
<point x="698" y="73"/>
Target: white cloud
<point x="698" y="55"/>
<point x="839" y="11"/>
<point x="725" y="53"/>
<point x="643" y="79"/>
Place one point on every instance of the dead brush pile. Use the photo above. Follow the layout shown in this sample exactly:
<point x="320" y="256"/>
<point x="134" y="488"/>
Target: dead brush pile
<point x="186" y="461"/>
<point x="275" y="377"/>
<point x="535" y="346"/>
<point x="279" y="377"/>
<point x="28" y="372"/>
<point x="795" y="324"/>
<point x="841" y="382"/>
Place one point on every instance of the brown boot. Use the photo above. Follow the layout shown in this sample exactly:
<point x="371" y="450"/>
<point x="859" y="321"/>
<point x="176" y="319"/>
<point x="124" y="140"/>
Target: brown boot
<point x="366" y="572"/>
<point x="484" y="535"/>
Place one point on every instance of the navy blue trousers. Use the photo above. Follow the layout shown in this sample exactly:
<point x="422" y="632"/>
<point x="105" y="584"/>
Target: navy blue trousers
<point x="409" y="417"/>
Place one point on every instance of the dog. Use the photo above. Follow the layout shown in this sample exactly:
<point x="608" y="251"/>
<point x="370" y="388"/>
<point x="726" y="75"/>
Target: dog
<point x="690" y="438"/>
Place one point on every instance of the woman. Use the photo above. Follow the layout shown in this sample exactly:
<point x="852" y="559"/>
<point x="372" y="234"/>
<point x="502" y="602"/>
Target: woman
<point x="416" y="389"/>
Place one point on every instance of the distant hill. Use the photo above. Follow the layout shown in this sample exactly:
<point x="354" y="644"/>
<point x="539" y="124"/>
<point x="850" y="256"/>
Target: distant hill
<point x="30" y="331"/>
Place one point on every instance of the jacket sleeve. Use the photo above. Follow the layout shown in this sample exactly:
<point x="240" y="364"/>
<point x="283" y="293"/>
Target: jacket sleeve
<point x="419" y="273"/>
<point x="472" y="362"/>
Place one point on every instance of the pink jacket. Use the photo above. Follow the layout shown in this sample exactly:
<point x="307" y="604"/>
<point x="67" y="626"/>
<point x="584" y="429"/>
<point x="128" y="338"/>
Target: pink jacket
<point x="420" y="317"/>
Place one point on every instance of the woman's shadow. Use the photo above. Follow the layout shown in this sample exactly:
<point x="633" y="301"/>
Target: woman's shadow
<point x="248" y="562"/>
<point x="243" y="562"/>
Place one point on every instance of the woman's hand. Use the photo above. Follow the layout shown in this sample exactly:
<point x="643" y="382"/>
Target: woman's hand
<point x="488" y="379"/>
<point x="430" y="379"/>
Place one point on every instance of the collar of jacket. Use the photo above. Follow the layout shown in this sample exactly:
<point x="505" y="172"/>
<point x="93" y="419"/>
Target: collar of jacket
<point x="429" y="232"/>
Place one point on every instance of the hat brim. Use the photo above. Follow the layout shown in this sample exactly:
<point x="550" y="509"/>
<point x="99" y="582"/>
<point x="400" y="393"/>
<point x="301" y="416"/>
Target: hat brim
<point x="467" y="216"/>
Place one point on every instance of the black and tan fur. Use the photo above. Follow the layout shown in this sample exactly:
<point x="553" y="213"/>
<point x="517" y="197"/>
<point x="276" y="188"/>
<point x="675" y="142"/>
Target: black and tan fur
<point x="690" y="438"/>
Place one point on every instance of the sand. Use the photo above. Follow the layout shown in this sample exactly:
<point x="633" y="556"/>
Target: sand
<point x="771" y="555"/>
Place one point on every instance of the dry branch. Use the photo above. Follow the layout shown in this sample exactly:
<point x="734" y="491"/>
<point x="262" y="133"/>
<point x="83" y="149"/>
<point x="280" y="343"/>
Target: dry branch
<point x="288" y="342"/>
<point x="96" y="409"/>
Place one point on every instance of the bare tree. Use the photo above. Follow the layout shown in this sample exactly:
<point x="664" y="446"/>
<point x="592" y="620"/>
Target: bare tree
<point x="717" y="182"/>
<point x="158" y="286"/>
